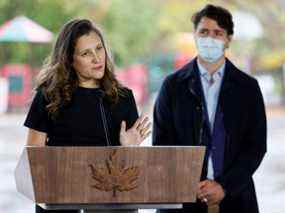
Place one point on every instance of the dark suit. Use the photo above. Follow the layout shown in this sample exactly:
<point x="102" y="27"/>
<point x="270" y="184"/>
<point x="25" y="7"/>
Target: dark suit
<point x="178" y="121"/>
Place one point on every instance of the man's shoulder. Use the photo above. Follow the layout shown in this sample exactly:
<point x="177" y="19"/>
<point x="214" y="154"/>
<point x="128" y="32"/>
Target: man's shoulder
<point x="180" y="74"/>
<point x="242" y="77"/>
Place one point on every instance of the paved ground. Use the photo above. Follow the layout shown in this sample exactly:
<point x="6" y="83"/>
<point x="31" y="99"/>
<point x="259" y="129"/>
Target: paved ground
<point x="270" y="178"/>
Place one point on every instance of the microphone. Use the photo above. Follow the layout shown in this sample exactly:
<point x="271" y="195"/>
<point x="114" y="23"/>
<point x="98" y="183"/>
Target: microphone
<point x="101" y="95"/>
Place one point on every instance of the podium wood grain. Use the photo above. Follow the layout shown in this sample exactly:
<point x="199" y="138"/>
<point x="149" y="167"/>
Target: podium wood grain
<point x="63" y="174"/>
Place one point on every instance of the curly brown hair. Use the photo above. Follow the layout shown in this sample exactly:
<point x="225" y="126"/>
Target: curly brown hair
<point x="57" y="79"/>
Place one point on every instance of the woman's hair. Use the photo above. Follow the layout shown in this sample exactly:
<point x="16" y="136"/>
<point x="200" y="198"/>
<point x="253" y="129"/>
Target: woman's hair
<point x="57" y="79"/>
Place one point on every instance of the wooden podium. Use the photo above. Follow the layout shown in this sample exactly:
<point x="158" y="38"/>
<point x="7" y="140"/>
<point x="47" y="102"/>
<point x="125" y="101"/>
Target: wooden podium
<point x="94" y="178"/>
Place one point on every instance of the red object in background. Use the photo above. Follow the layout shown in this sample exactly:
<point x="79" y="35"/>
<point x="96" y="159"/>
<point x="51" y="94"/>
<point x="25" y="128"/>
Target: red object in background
<point x="20" y="82"/>
<point x="135" y="77"/>
<point x="180" y="60"/>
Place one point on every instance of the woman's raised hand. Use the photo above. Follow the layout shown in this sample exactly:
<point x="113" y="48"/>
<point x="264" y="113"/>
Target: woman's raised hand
<point x="137" y="133"/>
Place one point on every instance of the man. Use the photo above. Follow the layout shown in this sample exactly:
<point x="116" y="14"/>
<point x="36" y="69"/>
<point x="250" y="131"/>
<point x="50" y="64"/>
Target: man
<point x="210" y="102"/>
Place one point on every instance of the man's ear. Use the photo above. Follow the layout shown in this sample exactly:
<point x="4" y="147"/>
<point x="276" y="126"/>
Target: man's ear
<point x="229" y="41"/>
<point x="230" y="37"/>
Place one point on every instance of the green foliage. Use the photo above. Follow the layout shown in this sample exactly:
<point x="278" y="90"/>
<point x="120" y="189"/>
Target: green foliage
<point x="135" y="29"/>
<point x="129" y="26"/>
<point x="51" y="14"/>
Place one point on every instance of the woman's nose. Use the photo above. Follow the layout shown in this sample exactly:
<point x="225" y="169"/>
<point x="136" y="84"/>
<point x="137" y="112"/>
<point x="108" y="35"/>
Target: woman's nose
<point x="95" y="57"/>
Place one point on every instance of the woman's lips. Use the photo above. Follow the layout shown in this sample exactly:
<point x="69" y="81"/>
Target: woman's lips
<point x="99" y="66"/>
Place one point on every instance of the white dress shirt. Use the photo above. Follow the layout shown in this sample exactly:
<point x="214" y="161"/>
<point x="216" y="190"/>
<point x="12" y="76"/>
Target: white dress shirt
<point x="211" y="85"/>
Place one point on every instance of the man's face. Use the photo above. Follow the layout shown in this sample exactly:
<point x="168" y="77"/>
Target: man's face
<point x="209" y="28"/>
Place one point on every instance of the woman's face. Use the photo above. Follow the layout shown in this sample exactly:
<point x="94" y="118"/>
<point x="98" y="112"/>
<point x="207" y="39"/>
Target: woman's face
<point x="89" y="60"/>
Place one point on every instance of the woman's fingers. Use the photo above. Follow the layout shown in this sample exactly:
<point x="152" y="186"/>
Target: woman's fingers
<point x="145" y="129"/>
<point x="146" y="135"/>
<point x="140" y="130"/>
<point x="123" y="126"/>
<point x="138" y="122"/>
<point x="143" y="123"/>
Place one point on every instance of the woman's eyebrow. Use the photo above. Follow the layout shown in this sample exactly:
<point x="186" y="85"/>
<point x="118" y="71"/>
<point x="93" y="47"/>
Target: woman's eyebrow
<point x="89" y="48"/>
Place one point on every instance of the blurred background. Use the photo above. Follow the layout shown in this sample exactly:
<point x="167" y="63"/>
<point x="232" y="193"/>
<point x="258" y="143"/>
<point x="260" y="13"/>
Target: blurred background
<point x="149" y="39"/>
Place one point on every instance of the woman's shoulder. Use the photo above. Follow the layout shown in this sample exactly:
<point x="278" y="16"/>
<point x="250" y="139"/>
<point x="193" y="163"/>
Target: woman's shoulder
<point x="39" y="95"/>
<point x="125" y="94"/>
<point x="125" y="108"/>
<point x="125" y="99"/>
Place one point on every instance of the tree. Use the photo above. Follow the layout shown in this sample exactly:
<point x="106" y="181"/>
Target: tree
<point x="130" y="27"/>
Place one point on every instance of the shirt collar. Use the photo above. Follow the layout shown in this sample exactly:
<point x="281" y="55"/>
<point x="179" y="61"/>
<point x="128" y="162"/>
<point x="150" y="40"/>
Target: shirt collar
<point x="203" y="72"/>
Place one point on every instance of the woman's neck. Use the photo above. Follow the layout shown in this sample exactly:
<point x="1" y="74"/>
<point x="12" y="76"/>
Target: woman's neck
<point x="89" y="84"/>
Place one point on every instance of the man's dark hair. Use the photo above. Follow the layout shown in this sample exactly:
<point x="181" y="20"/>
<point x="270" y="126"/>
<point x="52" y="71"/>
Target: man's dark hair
<point x="221" y="15"/>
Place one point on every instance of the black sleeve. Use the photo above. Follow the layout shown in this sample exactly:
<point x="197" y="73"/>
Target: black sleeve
<point x="163" y="121"/>
<point x="37" y="117"/>
<point x="132" y="113"/>
<point x="254" y="149"/>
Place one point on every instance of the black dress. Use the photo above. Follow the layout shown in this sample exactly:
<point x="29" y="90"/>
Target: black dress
<point x="80" y="123"/>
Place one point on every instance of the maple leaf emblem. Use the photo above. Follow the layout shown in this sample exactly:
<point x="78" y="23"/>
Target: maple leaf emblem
<point x="114" y="176"/>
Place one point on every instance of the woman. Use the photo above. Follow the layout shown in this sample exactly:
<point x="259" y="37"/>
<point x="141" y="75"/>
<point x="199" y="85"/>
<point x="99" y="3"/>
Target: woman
<point x="78" y="101"/>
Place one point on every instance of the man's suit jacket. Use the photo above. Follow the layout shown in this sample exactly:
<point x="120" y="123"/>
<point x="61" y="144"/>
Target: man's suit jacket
<point x="178" y="122"/>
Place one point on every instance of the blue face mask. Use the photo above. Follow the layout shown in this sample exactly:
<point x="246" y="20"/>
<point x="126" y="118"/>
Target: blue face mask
<point x="210" y="49"/>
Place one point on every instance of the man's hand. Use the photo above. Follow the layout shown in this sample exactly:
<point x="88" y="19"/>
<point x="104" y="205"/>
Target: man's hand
<point x="210" y="192"/>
